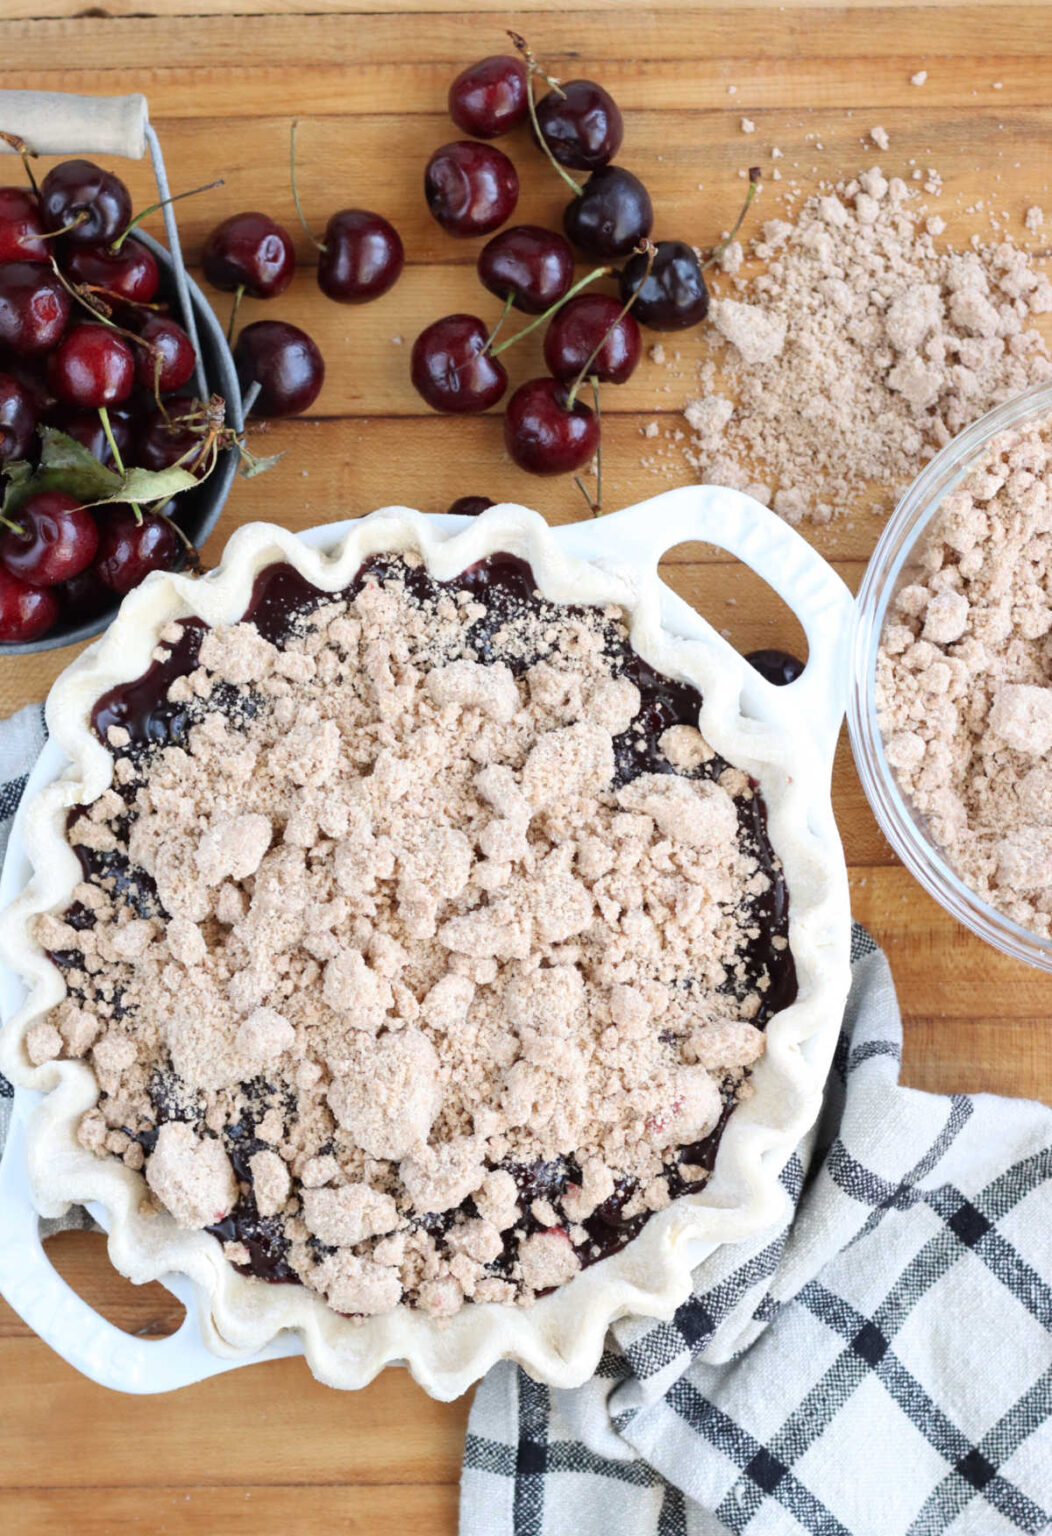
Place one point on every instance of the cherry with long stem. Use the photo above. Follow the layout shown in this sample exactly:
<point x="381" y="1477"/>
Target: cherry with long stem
<point x="311" y="236"/>
<point x="650" y="250"/>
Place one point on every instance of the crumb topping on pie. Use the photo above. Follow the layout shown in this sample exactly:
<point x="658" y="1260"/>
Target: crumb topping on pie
<point x="423" y="945"/>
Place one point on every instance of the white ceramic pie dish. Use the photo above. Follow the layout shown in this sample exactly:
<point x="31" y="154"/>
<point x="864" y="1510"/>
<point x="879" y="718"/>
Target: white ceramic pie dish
<point x="784" y="737"/>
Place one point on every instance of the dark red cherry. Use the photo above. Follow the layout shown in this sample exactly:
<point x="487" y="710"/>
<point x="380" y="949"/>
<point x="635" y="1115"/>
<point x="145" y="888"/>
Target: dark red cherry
<point x="21" y="225"/>
<point x="581" y="125"/>
<point x="611" y="214"/>
<point x="167" y="438"/>
<point x="84" y="597"/>
<point x="26" y="612"/>
<point x="86" y="427"/>
<point x="451" y="368"/>
<point x="92" y="367"/>
<point x="542" y="436"/>
<point x="92" y="205"/>
<point x="361" y="257"/>
<point x="470" y="188"/>
<point x="535" y="265"/>
<point x="588" y="321"/>
<point x="167" y="359"/>
<point x="58" y="539"/>
<point x="249" y="251"/>
<point x="129" y="551"/>
<point x="34" y="308"/>
<point x="674" y="295"/>
<point x="286" y="364"/>
<point x="778" y="667"/>
<point x="130" y="274"/>
<point x="18" y="419"/>
<point x="469" y="506"/>
<point x="489" y="98"/>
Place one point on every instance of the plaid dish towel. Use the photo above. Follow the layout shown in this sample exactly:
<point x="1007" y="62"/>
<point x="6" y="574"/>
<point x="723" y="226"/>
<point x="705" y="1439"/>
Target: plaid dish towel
<point x="879" y="1364"/>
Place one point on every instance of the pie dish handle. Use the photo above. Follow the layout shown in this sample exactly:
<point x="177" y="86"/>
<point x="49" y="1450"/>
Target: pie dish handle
<point x="54" y="1311"/>
<point x="784" y="559"/>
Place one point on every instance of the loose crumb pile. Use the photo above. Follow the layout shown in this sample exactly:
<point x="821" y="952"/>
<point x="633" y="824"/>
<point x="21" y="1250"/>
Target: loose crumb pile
<point x="859" y="351"/>
<point x="397" y="918"/>
<point x="964" y="678"/>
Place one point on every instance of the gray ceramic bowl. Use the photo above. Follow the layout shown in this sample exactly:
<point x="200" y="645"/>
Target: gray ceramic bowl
<point x="200" y="507"/>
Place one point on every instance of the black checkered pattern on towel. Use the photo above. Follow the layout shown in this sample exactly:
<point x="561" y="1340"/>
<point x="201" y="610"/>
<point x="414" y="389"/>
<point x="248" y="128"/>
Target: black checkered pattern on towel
<point x="879" y="1364"/>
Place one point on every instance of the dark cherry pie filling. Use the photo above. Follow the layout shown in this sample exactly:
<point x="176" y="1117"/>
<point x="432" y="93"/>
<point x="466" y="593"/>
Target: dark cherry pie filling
<point x="281" y="598"/>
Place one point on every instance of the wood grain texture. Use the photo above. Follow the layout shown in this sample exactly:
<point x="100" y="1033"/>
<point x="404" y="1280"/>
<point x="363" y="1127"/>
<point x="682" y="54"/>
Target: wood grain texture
<point x="224" y="78"/>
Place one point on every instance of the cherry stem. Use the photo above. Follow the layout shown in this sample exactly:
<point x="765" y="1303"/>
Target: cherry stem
<point x="158" y="364"/>
<point x="95" y="308"/>
<point x="491" y="338"/>
<point x="755" y="177"/>
<point x="295" y="189"/>
<point x="8" y="522"/>
<point x="599" y="450"/>
<point x="650" y="249"/>
<point x="153" y="208"/>
<point x="551" y="310"/>
<point x="532" y="68"/>
<point x="20" y="147"/>
<point x="104" y="417"/>
<point x="238" y="291"/>
<point x="193" y="557"/>
<point x="110" y="294"/>
<point x="596" y="506"/>
<point x="53" y="234"/>
<point x="524" y="48"/>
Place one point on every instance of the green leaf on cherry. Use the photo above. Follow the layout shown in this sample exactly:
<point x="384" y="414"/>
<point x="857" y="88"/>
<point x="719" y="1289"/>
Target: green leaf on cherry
<point x="66" y="465"/>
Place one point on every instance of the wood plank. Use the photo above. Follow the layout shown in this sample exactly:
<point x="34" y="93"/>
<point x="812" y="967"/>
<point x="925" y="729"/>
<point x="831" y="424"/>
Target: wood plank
<point x="676" y="150"/>
<point x="415" y="88"/>
<point x="396" y="1510"/>
<point x="275" y="1426"/>
<point x="136" y="9"/>
<point x="750" y="37"/>
<point x="943" y="971"/>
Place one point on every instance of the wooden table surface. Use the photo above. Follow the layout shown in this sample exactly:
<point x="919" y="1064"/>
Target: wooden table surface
<point x="272" y="1448"/>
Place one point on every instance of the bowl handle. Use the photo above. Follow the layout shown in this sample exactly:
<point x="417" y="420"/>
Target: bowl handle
<point x="781" y="556"/>
<point x="59" y="123"/>
<point x="54" y="1311"/>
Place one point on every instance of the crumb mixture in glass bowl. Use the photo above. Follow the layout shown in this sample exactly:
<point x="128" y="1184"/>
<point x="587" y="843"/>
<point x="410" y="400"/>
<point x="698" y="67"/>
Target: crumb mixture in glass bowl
<point x="951" y="716"/>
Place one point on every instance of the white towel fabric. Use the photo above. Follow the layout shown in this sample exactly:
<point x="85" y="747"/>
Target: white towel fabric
<point x="879" y="1364"/>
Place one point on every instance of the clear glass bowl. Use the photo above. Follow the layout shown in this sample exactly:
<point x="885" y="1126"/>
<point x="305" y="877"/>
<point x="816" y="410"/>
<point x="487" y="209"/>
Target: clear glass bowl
<point x="888" y="570"/>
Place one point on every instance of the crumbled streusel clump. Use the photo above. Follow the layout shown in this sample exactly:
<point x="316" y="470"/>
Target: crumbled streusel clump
<point x="964" y="677"/>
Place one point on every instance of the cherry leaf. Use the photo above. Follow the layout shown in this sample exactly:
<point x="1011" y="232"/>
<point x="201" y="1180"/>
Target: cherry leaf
<point x="66" y="465"/>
